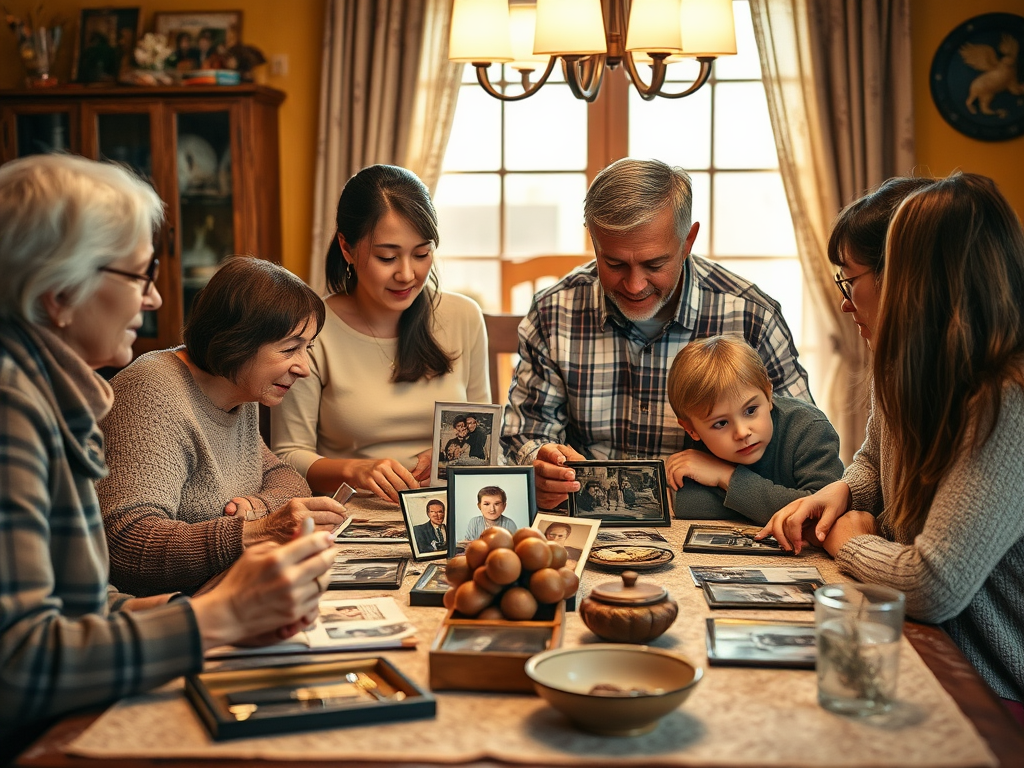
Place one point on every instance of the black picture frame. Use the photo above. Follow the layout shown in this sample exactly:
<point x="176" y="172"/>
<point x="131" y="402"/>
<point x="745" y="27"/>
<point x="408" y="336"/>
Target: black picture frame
<point x="794" y="595"/>
<point x="761" y="643"/>
<point x="430" y="587"/>
<point x="105" y="45"/>
<point x="640" y="491"/>
<point x="979" y="68"/>
<point x="424" y="542"/>
<point x="368" y="573"/>
<point x="725" y="574"/>
<point x="729" y="540"/>
<point x="464" y="484"/>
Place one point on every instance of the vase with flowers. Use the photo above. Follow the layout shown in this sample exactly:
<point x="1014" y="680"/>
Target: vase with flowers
<point x="37" y="46"/>
<point x="151" y="53"/>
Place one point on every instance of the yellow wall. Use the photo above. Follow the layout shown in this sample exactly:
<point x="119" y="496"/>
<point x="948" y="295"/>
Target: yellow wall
<point x="941" y="149"/>
<point x="293" y="29"/>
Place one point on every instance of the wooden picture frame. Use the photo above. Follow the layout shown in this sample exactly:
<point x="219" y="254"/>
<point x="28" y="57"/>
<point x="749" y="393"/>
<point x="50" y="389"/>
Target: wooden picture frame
<point x="469" y="506"/>
<point x="105" y="44"/>
<point x="200" y="39"/>
<point x="623" y="494"/>
<point x="465" y="434"/>
<point x="418" y="505"/>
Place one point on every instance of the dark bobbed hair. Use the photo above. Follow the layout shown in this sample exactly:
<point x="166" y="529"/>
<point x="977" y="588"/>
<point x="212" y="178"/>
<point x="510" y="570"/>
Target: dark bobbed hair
<point x="859" y="229"/>
<point x="950" y="334"/>
<point x="366" y="198"/>
<point x="249" y="302"/>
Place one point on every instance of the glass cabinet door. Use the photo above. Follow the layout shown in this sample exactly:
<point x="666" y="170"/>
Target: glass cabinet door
<point x="205" y="197"/>
<point x="38" y="133"/>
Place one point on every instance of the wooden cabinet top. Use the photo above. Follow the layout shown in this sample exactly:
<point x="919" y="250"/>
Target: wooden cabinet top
<point x="77" y="92"/>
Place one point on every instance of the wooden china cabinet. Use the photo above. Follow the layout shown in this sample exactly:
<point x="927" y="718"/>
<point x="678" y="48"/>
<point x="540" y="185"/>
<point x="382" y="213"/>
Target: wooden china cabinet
<point x="210" y="152"/>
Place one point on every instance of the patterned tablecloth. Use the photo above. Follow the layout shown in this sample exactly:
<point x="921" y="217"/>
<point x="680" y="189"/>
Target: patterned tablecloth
<point x="737" y="716"/>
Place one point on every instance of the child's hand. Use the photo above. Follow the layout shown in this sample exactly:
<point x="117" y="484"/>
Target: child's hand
<point x="699" y="467"/>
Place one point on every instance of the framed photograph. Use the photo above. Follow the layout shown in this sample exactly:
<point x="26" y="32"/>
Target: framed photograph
<point x="756" y="643"/>
<point x="481" y="497"/>
<point x="203" y="40"/>
<point x="426" y="518"/>
<point x="105" y="46"/>
<point x="465" y="434"/>
<point x="368" y="573"/>
<point x="361" y="531"/>
<point x="431" y="586"/>
<point x="577" y="535"/>
<point x="729" y="539"/>
<point x="758" y="574"/>
<point x="629" y="536"/>
<point x="795" y="594"/>
<point x="621" y="493"/>
<point x="492" y="639"/>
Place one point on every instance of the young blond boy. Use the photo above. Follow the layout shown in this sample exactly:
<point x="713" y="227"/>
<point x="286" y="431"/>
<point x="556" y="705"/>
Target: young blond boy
<point x="751" y="453"/>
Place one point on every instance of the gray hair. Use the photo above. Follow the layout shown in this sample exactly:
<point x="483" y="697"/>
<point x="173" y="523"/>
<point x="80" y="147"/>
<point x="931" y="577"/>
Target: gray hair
<point x="63" y="217"/>
<point x="629" y="193"/>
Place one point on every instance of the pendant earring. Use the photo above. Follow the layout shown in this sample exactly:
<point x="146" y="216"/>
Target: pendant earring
<point x="349" y="275"/>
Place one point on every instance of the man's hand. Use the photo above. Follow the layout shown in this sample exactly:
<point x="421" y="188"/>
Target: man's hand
<point x="700" y="467"/>
<point x="554" y="481"/>
<point x="853" y="523"/>
<point x="808" y="520"/>
<point x="282" y="525"/>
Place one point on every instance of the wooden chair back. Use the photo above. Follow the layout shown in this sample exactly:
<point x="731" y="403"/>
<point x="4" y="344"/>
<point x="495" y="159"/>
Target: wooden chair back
<point x="515" y="273"/>
<point x="502" y="344"/>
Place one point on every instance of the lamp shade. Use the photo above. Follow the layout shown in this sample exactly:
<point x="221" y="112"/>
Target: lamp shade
<point x="523" y="20"/>
<point x="570" y="28"/>
<point x="708" y="27"/>
<point x="479" y="31"/>
<point x="654" y="26"/>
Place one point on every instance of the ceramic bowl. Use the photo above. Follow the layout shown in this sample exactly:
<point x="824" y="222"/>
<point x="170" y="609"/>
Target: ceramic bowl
<point x="640" y="685"/>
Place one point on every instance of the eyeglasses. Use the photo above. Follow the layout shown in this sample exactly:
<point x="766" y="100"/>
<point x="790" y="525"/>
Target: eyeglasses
<point x="152" y="273"/>
<point x="844" y="283"/>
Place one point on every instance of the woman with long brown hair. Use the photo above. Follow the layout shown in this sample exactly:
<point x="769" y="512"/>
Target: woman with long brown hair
<point x="933" y="503"/>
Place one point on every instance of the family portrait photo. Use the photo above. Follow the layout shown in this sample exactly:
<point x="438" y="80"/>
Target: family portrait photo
<point x="760" y="643"/>
<point x="479" y="498"/>
<point x="200" y="40"/>
<point x="426" y="517"/>
<point x="465" y="434"/>
<point x="621" y="493"/>
<point x="576" y="535"/>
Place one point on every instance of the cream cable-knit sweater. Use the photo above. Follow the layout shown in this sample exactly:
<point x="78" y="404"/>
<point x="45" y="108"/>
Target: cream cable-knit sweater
<point x="175" y="460"/>
<point x="965" y="569"/>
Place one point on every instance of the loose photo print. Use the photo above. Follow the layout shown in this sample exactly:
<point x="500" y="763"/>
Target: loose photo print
<point x="729" y="539"/>
<point x="368" y="573"/>
<point x="733" y="595"/>
<point x="490" y="639"/>
<point x="482" y="497"/>
<point x="755" y="643"/>
<point x="466" y="435"/>
<point x="754" y="575"/>
<point x="360" y="531"/>
<point x="621" y="493"/>
<point x="426" y="517"/>
<point x="577" y="535"/>
<point x="367" y="609"/>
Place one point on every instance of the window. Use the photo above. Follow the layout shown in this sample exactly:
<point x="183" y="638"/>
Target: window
<point x="515" y="174"/>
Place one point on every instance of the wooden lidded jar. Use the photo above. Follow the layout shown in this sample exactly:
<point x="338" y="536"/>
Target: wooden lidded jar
<point x="628" y="612"/>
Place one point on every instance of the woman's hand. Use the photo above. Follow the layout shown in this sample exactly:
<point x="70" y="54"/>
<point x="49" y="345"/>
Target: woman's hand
<point x="422" y="469"/>
<point x="240" y="505"/>
<point x="385" y="477"/>
<point x="853" y="523"/>
<point x="554" y="481"/>
<point x="268" y="595"/>
<point x="282" y="525"/>
<point x="700" y="467"/>
<point x="808" y="520"/>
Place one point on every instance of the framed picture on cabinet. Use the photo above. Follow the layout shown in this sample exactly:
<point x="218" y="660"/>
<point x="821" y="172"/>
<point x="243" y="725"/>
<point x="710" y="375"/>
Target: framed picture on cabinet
<point x="203" y="40"/>
<point x="105" y="46"/>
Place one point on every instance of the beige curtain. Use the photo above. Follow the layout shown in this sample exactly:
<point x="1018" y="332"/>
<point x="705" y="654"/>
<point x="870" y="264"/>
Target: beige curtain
<point x="387" y="95"/>
<point x="838" y="78"/>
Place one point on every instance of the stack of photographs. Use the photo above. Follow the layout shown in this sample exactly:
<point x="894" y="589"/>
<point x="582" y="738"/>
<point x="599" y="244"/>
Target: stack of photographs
<point x="752" y="643"/>
<point x="757" y="587"/>
<point x="368" y="573"/>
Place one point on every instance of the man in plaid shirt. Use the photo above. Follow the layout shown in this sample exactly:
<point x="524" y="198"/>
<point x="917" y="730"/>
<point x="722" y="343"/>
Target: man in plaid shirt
<point x="596" y="347"/>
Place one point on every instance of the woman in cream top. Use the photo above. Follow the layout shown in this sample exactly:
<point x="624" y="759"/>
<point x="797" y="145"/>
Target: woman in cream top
<point x="392" y="345"/>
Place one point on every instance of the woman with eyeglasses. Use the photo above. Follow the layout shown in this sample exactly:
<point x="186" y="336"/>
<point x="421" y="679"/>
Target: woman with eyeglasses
<point x="393" y="345"/>
<point x="75" y="254"/>
<point x="933" y="503"/>
<point x="191" y="482"/>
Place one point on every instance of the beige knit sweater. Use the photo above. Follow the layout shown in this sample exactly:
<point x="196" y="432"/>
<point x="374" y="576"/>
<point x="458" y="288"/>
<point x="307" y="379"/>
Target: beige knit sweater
<point x="175" y="460"/>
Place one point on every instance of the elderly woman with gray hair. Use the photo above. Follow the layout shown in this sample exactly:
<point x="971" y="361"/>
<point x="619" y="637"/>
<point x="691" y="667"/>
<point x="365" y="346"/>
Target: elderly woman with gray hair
<point x="78" y="264"/>
<point x="191" y="483"/>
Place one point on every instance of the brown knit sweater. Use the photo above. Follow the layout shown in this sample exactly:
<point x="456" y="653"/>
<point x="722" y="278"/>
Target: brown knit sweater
<point x="175" y="460"/>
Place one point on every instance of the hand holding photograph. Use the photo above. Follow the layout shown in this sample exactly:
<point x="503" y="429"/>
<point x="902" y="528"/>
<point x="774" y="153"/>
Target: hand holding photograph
<point x="759" y="643"/>
<point x="729" y="539"/>
<point x="621" y="493"/>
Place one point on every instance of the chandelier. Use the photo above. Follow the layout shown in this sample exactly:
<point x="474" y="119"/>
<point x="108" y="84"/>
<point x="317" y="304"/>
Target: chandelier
<point x="590" y="36"/>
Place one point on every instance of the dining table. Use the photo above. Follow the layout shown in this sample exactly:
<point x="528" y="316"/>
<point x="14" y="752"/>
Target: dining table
<point x="944" y="713"/>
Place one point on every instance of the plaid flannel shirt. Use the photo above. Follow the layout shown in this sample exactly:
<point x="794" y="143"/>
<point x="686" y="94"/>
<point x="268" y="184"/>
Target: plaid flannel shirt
<point x="63" y="643"/>
<point x="588" y="378"/>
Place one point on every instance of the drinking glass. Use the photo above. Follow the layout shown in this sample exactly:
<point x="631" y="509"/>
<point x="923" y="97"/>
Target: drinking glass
<point x="858" y="629"/>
